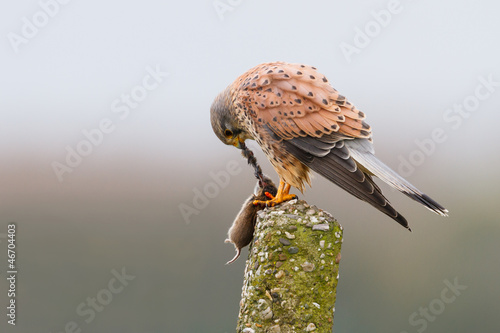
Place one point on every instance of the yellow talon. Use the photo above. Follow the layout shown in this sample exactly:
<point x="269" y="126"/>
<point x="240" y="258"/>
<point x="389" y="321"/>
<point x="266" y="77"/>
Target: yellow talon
<point x="280" y="197"/>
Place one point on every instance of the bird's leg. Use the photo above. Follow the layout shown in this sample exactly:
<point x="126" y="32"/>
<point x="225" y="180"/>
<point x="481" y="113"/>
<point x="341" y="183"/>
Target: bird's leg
<point x="280" y="197"/>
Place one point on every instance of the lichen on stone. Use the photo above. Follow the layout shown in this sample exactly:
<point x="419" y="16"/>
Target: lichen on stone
<point x="287" y="270"/>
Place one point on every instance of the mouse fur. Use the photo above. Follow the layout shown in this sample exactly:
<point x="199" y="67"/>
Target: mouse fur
<point x="240" y="233"/>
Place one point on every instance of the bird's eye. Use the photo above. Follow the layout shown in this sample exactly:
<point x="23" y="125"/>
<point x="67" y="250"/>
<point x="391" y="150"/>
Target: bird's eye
<point x="228" y="133"/>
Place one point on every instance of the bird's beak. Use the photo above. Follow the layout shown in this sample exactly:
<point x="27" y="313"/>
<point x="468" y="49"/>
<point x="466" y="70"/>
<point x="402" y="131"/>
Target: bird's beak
<point x="239" y="143"/>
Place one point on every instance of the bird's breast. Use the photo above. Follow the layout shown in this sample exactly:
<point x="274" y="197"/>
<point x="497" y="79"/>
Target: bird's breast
<point x="288" y="167"/>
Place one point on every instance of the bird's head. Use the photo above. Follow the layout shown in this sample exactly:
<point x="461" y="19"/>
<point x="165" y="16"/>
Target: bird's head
<point x="225" y="123"/>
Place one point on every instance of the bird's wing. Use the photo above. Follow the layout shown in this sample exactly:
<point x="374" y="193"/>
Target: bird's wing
<point x="295" y="100"/>
<point x="298" y="107"/>
<point x="333" y="161"/>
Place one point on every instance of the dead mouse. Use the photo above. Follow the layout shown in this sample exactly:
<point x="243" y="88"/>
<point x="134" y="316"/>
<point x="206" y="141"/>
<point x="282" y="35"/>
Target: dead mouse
<point x="241" y="232"/>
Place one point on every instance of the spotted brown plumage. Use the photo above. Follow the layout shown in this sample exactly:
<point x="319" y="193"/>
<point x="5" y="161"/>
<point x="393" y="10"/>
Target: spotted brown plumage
<point x="301" y="122"/>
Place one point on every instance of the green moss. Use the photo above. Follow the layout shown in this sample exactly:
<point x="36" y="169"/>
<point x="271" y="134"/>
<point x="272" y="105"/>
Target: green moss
<point x="291" y="286"/>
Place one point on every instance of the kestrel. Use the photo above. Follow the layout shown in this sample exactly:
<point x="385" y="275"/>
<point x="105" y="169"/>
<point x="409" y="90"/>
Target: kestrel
<point x="301" y="123"/>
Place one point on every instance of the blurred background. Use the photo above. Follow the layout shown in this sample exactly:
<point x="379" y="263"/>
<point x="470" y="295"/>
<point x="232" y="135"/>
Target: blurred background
<point x="109" y="162"/>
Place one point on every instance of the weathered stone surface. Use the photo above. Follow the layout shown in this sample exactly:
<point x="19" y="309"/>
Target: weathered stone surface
<point x="293" y="291"/>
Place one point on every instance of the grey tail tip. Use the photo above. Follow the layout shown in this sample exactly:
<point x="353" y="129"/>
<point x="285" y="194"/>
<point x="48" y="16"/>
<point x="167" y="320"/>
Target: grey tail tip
<point x="432" y="205"/>
<point x="428" y="203"/>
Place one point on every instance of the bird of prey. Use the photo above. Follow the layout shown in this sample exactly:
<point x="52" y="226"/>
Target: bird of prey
<point x="301" y="123"/>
